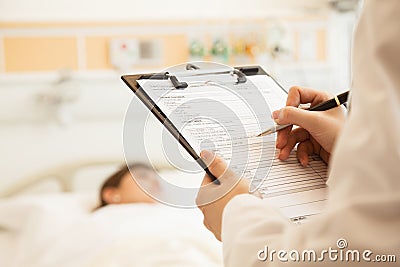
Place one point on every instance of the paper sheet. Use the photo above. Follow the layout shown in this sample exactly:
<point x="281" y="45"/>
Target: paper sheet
<point x="227" y="120"/>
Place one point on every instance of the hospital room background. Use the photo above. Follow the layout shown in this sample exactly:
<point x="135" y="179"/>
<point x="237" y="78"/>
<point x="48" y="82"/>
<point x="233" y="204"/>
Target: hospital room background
<point x="63" y="105"/>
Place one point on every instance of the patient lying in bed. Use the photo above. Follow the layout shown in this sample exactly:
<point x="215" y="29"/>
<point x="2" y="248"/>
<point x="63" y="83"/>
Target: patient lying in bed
<point x="145" y="232"/>
<point x="129" y="229"/>
<point x="134" y="184"/>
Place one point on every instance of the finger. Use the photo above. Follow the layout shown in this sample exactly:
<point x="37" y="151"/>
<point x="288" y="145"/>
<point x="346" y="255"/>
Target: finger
<point x="293" y="139"/>
<point x="218" y="237"/>
<point x="206" y="224"/>
<point x="216" y="164"/>
<point x="282" y="137"/>
<point x="211" y="229"/>
<point x="317" y="149"/>
<point x="316" y="146"/>
<point x="303" y="118"/>
<point x="324" y="156"/>
<point x="303" y="150"/>
<point x="206" y="180"/>
<point x="297" y="95"/>
<point x="300" y="95"/>
<point x="296" y="136"/>
<point x="201" y="208"/>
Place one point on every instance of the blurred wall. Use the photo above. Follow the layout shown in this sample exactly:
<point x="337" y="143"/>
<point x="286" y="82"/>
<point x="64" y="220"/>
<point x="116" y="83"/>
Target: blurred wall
<point x="128" y="10"/>
<point x="32" y="46"/>
<point x="61" y="98"/>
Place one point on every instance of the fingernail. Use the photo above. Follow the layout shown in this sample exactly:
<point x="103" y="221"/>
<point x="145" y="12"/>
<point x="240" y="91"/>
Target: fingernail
<point x="303" y="162"/>
<point x="280" y="115"/>
<point x="275" y="114"/>
<point x="206" y="154"/>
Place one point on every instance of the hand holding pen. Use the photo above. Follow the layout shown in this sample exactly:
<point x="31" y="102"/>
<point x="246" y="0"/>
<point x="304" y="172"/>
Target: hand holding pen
<point x="317" y="130"/>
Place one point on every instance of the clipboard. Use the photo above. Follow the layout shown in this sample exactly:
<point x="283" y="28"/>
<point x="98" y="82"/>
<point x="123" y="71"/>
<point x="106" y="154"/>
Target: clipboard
<point x="240" y="73"/>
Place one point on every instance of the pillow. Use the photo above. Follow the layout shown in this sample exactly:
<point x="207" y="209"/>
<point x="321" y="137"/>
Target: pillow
<point x="18" y="212"/>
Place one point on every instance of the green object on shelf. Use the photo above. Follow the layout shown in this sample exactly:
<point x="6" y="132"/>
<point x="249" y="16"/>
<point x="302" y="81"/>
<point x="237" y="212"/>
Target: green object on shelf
<point x="196" y="49"/>
<point x="219" y="48"/>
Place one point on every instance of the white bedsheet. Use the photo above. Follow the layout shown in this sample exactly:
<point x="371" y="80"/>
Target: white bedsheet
<point x="117" y="235"/>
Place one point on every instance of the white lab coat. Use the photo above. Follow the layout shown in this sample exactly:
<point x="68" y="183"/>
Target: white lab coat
<point x="364" y="182"/>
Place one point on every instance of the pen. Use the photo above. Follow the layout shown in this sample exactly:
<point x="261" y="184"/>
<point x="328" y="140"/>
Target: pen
<point x="331" y="103"/>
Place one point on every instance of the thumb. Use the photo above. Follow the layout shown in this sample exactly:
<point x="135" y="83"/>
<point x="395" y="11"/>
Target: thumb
<point x="215" y="164"/>
<point x="297" y="116"/>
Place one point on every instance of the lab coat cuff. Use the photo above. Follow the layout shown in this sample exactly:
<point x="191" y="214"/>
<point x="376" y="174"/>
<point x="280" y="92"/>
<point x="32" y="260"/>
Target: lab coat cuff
<point x="245" y="209"/>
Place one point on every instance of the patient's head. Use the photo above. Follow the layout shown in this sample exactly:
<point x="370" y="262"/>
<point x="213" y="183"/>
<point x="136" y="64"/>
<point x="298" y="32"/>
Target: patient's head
<point x="120" y="188"/>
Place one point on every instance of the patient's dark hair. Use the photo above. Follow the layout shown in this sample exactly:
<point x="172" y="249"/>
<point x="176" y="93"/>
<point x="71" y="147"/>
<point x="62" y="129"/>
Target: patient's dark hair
<point x="115" y="179"/>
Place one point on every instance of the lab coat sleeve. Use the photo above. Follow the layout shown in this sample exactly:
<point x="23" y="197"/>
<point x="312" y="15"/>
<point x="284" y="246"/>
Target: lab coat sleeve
<point x="364" y="181"/>
<point x="249" y="223"/>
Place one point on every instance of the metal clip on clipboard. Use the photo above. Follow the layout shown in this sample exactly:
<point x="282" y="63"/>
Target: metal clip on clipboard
<point x="240" y="76"/>
<point x="176" y="75"/>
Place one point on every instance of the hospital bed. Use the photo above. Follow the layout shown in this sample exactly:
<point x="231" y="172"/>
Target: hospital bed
<point x="48" y="219"/>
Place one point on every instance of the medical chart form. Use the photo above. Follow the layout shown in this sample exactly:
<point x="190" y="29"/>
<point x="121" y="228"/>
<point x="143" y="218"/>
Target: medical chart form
<point x="220" y="118"/>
